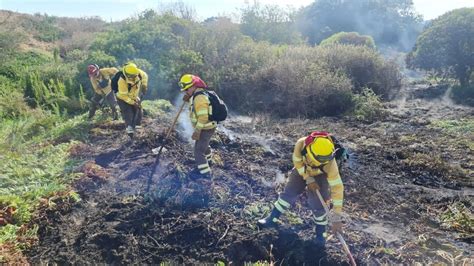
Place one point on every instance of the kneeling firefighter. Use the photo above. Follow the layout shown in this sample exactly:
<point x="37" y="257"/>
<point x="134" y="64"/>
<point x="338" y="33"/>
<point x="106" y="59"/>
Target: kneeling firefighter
<point x="100" y="81"/>
<point x="315" y="167"/>
<point x="130" y="84"/>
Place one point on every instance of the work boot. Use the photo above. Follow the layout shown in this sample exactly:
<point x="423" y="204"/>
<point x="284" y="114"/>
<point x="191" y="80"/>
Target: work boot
<point x="209" y="159"/>
<point x="91" y="114"/>
<point x="196" y="174"/>
<point x="320" y="239"/>
<point x="114" y="115"/>
<point x="269" y="221"/>
<point x="130" y="131"/>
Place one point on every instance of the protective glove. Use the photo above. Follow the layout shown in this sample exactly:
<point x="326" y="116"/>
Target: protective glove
<point x="186" y="98"/>
<point x="345" y="155"/>
<point x="335" y="219"/>
<point x="138" y="103"/>
<point x="144" y="90"/>
<point x="196" y="135"/>
<point x="312" y="186"/>
<point x="104" y="83"/>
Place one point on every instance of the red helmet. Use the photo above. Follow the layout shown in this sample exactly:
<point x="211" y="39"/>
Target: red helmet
<point x="93" y="70"/>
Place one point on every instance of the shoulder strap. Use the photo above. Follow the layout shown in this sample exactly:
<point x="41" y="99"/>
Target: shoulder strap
<point x="115" y="79"/>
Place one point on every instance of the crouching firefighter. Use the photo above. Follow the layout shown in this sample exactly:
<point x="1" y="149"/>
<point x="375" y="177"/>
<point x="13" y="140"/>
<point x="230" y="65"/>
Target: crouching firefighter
<point x="100" y="81"/>
<point x="206" y="109"/>
<point x="130" y="84"/>
<point x="315" y="168"/>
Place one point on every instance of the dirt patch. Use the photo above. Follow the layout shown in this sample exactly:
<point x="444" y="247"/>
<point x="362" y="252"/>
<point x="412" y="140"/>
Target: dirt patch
<point x="393" y="192"/>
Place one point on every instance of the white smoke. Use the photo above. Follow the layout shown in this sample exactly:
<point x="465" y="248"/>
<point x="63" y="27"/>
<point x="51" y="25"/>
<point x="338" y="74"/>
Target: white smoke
<point x="185" y="128"/>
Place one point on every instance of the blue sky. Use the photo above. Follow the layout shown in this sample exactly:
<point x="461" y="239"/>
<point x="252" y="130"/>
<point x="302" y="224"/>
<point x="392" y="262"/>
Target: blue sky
<point x="120" y="9"/>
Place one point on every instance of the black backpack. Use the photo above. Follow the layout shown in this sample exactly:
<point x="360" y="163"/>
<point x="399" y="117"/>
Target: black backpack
<point x="115" y="79"/>
<point x="219" y="109"/>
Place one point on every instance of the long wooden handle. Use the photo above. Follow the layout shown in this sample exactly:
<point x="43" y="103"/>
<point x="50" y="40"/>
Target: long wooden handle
<point x="338" y="235"/>
<point x="162" y="145"/>
<point x="175" y="119"/>
<point x="171" y="128"/>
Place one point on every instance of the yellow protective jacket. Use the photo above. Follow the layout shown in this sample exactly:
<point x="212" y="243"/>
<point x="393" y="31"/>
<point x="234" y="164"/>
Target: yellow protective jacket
<point x="105" y="74"/>
<point x="199" y="111"/>
<point x="129" y="89"/>
<point x="309" y="168"/>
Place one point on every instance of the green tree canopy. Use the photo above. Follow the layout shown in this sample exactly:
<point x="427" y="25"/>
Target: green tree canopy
<point x="270" y="23"/>
<point x="389" y="22"/>
<point x="447" y="45"/>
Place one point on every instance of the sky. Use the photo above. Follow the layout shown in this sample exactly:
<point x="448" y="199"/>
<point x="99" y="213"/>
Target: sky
<point x="113" y="10"/>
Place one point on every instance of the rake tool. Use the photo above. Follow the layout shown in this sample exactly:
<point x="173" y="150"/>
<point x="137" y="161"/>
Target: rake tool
<point x="338" y="235"/>
<point x="157" y="160"/>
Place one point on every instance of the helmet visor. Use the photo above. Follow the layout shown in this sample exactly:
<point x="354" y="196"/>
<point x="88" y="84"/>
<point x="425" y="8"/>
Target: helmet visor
<point x="131" y="76"/>
<point x="323" y="159"/>
<point x="185" y="85"/>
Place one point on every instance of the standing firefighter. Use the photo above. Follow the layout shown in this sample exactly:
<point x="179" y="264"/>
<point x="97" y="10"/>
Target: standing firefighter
<point x="315" y="167"/>
<point x="100" y="80"/>
<point x="205" y="110"/>
<point x="130" y="84"/>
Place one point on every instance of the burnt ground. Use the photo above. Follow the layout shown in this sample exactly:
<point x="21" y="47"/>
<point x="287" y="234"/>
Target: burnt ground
<point x="403" y="180"/>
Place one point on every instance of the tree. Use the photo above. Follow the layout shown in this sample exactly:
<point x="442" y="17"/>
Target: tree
<point x="269" y="23"/>
<point x="389" y="22"/>
<point x="352" y="38"/>
<point x="447" y="46"/>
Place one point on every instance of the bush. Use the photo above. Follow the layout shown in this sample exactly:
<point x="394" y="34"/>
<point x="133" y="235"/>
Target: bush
<point x="12" y="105"/>
<point x="352" y="38"/>
<point x="296" y="85"/>
<point x="156" y="108"/>
<point x="463" y="94"/>
<point x="16" y="64"/>
<point x="368" y="107"/>
<point x="364" y="66"/>
<point x="60" y="96"/>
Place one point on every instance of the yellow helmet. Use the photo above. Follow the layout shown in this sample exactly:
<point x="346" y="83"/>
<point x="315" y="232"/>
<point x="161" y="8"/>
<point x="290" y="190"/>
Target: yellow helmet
<point x="130" y="70"/>
<point x="186" y="82"/>
<point x="321" y="150"/>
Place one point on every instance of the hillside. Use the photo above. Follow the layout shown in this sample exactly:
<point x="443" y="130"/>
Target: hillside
<point x="44" y="34"/>
<point x="77" y="190"/>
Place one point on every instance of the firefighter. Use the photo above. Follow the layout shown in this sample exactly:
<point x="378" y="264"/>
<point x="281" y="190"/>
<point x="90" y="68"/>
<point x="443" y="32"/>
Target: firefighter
<point x="200" y="110"/>
<point x="130" y="84"/>
<point x="100" y="81"/>
<point x="315" y="168"/>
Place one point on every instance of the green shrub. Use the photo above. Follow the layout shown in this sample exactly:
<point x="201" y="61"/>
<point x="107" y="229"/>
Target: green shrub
<point x="364" y="66"/>
<point x="457" y="126"/>
<point x="235" y="78"/>
<point x="368" y="106"/>
<point x="156" y="108"/>
<point x="10" y="40"/>
<point x="13" y="104"/>
<point x="350" y="38"/>
<point x="60" y="96"/>
<point x="46" y="29"/>
<point x="463" y="94"/>
<point x="15" y="65"/>
<point x="296" y="85"/>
